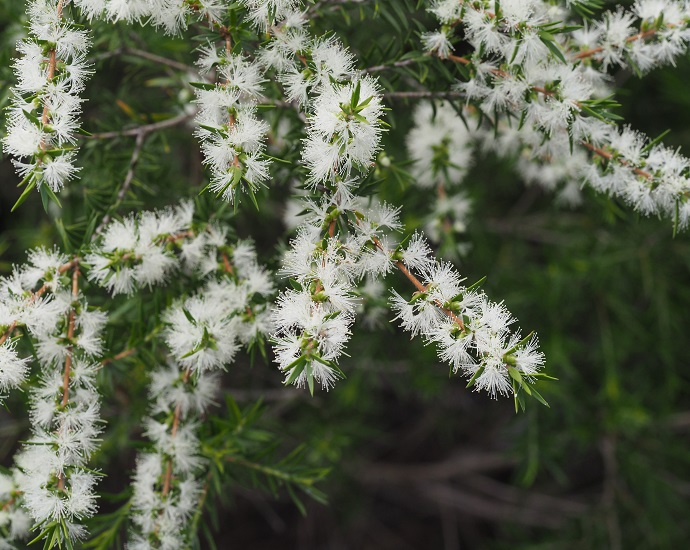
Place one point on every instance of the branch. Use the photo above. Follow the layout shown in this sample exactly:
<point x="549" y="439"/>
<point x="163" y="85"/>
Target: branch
<point x="175" y="425"/>
<point x="68" y="359"/>
<point x="451" y="94"/>
<point x="386" y="66"/>
<point x="129" y="177"/>
<point x="145" y="129"/>
<point x="135" y="52"/>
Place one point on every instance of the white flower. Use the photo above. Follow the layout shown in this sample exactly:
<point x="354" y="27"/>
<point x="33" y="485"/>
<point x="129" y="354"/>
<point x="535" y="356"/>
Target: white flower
<point x="437" y="43"/>
<point x="344" y="131"/>
<point x="13" y="369"/>
<point x="440" y="144"/>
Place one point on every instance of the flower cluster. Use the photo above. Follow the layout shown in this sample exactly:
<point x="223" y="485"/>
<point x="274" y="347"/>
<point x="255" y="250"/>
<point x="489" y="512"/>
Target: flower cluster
<point x="165" y="482"/>
<point x="264" y="13"/>
<point x="314" y="319"/>
<point x="203" y="333"/>
<point x="232" y="137"/>
<point x="519" y="70"/>
<point x="170" y="15"/>
<point x="653" y="33"/>
<point x="344" y="130"/>
<point x="44" y="115"/>
<point x="53" y="481"/>
<point x="140" y="251"/>
<point x="205" y="330"/>
<point x="472" y="333"/>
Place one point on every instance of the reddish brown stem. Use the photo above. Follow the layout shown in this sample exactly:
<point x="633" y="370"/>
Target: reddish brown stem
<point x="421" y="288"/>
<point x="70" y="336"/>
<point x="121" y="355"/>
<point x="167" y="481"/>
<point x="594" y="51"/>
<point x="68" y="359"/>
<point x="52" y="62"/>
<point x="609" y="156"/>
<point x="226" y="264"/>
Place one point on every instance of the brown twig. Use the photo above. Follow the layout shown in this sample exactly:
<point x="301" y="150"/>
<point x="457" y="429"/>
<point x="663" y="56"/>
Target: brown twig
<point x="609" y="156"/>
<point x="68" y="360"/>
<point x="424" y="94"/>
<point x="70" y="336"/>
<point x="420" y="286"/>
<point x="226" y="264"/>
<point x="121" y="355"/>
<point x="594" y="51"/>
<point x="126" y="184"/>
<point x="167" y="481"/>
<point x="145" y="128"/>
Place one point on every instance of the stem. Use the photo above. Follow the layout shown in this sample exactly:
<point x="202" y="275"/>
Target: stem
<point x="70" y="335"/>
<point x="52" y="61"/>
<point x="68" y="359"/>
<point x="609" y="156"/>
<point x="175" y="425"/>
<point x="638" y="36"/>
<point x="226" y="264"/>
<point x="7" y="333"/>
<point x="121" y="355"/>
<point x="421" y="288"/>
<point x="129" y="177"/>
<point x="146" y="128"/>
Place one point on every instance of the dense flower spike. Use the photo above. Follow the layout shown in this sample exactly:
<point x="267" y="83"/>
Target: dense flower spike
<point x="138" y="252"/>
<point x="472" y="333"/>
<point x="44" y="115"/>
<point x="161" y="507"/>
<point x="344" y="130"/>
<point x="203" y="333"/>
<point x="557" y="88"/>
<point x="53" y="481"/>
<point x="232" y="137"/>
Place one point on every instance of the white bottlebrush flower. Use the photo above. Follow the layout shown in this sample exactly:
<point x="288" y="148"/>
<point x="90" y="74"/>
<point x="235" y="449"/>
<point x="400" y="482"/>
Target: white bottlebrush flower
<point x="344" y="130"/>
<point x="13" y="369"/>
<point x="46" y="105"/>
<point x="440" y="144"/>
<point x="232" y="137"/>
<point x="264" y="13"/>
<point x="470" y="332"/>
<point x="437" y="43"/>
<point x="201" y="334"/>
<point x="133" y="253"/>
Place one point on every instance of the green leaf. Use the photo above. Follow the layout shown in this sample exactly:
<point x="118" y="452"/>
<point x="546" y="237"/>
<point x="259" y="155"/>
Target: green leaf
<point x="25" y="194"/>
<point x="550" y="42"/>
<point x="476" y="375"/>
<point x="48" y="195"/>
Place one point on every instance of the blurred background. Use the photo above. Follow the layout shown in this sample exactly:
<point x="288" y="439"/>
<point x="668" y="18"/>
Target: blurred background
<point x="417" y="461"/>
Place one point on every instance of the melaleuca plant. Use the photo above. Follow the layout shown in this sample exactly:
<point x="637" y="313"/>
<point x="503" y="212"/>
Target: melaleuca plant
<point x="286" y="121"/>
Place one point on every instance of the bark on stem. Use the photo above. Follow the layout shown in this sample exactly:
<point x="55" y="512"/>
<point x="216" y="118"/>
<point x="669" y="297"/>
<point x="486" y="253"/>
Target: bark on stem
<point x="68" y="359"/>
<point x="167" y="481"/>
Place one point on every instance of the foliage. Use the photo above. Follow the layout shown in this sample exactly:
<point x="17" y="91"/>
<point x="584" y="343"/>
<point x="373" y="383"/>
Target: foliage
<point x="204" y="136"/>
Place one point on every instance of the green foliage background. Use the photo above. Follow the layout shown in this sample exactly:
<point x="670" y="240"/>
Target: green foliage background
<point x="416" y="460"/>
